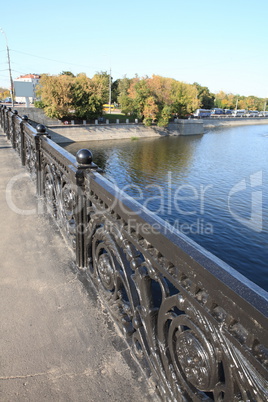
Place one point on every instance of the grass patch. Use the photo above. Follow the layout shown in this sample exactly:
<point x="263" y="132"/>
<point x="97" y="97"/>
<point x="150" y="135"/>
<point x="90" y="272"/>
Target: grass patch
<point x="112" y="117"/>
<point x="134" y="138"/>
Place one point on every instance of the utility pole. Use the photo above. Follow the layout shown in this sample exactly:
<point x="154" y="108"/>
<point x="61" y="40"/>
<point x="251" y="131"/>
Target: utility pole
<point x="236" y="103"/>
<point x="110" y="91"/>
<point x="9" y="68"/>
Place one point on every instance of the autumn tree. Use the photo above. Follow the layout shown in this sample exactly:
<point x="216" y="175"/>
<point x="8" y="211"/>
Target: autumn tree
<point x="4" y="93"/>
<point x="69" y="96"/>
<point x="225" y="101"/>
<point x="150" y="110"/>
<point x="146" y="95"/>
<point x="139" y="91"/>
<point x="161" y="88"/>
<point x="56" y="94"/>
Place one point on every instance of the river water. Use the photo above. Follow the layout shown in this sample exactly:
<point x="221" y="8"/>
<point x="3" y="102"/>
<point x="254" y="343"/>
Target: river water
<point x="214" y="188"/>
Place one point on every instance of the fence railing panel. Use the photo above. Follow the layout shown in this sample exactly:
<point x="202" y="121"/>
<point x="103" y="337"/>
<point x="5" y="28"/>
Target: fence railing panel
<point x="58" y="169"/>
<point x="194" y="323"/>
<point x="184" y="311"/>
<point x="17" y="144"/>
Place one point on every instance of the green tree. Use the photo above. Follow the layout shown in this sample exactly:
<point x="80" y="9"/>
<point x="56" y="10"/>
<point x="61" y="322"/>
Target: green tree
<point x="139" y="91"/>
<point x="184" y="98"/>
<point x="205" y="97"/>
<point x="101" y="81"/>
<point x="67" y="73"/>
<point x="87" y="104"/>
<point x="164" y="116"/>
<point x="115" y="91"/>
<point x="124" y="100"/>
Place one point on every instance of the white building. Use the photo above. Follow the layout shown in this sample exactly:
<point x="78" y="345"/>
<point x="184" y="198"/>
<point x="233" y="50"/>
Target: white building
<point x="30" y="89"/>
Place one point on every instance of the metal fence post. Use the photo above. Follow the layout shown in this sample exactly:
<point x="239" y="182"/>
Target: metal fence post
<point x="7" y="123"/>
<point x="41" y="130"/>
<point x="1" y="115"/>
<point x="12" y="129"/>
<point x="23" y="156"/>
<point x="84" y="161"/>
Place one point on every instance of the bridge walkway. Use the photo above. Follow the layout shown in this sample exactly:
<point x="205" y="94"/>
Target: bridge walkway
<point x="56" y="342"/>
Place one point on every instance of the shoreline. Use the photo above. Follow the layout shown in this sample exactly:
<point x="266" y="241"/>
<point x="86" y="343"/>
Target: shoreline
<point x="90" y="132"/>
<point x="97" y="132"/>
<point x="81" y="133"/>
<point x="236" y="121"/>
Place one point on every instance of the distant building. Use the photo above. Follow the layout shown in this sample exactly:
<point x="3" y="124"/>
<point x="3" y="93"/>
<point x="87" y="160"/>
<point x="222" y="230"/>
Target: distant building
<point x="31" y="78"/>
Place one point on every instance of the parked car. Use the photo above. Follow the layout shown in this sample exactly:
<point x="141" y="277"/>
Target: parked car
<point x="199" y="113"/>
<point x="252" y="113"/>
<point x="239" y="113"/>
<point x="263" y="114"/>
<point x="216" y="111"/>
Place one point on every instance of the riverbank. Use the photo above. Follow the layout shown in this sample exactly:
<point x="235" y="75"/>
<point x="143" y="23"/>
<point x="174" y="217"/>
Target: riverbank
<point x="98" y="132"/>
<point x="236" y="121"/>
<point x="81" y="133"/>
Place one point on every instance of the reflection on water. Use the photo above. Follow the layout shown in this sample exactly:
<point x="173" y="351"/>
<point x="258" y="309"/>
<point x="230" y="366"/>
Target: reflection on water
<point x="212" y="187"/>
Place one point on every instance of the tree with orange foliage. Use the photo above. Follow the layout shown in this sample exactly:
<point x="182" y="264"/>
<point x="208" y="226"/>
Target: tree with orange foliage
<point x="150" y="111"/>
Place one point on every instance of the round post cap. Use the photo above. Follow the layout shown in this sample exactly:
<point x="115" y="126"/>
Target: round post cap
<point x="41" y="129"/>
<point x="24" y="117"/>
<point x="84" y="157"/>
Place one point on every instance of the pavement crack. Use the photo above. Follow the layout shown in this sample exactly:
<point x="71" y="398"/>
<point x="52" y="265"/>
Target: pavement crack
<point x="48" y="373"/>
<point x="17" y="377"/>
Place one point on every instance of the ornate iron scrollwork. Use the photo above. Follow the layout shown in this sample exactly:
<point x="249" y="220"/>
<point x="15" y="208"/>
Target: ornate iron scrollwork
<point x="60" y="196"/>
<point x="111" y="273"/>
<point x="177" y="331"/>
<point x="30" y="157"/>
<point x="17" y="139"/>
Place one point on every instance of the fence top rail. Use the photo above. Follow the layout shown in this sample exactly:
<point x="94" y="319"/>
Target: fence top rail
<point x="59" y="153"/>
<point x="29" y="129"/>
<point x="178" y="248"/>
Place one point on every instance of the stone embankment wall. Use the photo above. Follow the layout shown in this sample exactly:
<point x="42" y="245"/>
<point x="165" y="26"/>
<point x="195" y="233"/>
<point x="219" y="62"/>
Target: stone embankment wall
<point x="236" y="121"/>
<point x="91" y="132"/>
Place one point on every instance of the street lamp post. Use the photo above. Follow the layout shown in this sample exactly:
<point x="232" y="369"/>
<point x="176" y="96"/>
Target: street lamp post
<point x="9" y="68"/>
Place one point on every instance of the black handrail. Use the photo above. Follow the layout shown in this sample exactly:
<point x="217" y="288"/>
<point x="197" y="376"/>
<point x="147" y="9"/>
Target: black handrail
<point x="197" y="325"/>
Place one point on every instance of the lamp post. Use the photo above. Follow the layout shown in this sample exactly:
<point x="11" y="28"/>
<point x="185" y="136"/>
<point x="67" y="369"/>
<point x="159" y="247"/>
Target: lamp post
<point x="110" y="91"/>
<point x="9" y="68"/>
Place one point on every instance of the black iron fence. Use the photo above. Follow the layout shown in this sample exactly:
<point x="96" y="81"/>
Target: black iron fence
<point x="197" y="326"/>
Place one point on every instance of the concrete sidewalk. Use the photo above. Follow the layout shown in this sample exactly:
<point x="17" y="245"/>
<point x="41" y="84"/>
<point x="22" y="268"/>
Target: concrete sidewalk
<point x="56" y="342"/>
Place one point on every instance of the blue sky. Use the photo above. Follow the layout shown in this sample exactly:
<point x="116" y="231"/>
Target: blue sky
<point x="221" y="45"/>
